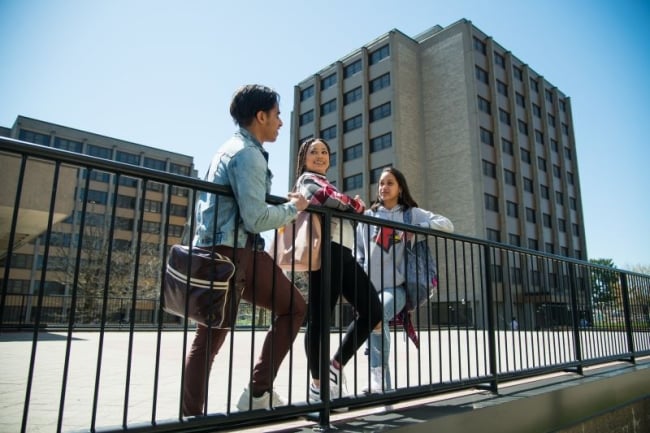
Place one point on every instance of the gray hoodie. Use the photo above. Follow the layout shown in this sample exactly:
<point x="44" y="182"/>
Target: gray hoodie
<point x="386" y="245"/>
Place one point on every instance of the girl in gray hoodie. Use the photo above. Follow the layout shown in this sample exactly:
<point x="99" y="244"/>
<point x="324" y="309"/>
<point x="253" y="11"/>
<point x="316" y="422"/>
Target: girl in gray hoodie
<point x="381" y="250"/>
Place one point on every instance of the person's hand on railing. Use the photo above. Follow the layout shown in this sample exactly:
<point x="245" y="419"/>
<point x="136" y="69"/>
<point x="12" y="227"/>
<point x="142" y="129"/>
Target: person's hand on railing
<point x="298" y="200"/>
<point x="360" y="200"/>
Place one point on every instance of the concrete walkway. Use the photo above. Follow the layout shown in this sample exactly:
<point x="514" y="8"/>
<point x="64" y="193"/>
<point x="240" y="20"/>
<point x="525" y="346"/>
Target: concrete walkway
<point x="131" y="373"/>
<point x="47" y="384"/>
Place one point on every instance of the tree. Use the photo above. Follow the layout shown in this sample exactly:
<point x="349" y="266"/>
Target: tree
<point x="99" y="254"/>
<point x="604" y="282"/>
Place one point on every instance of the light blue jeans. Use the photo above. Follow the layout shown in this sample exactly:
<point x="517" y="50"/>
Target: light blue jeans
<point x="393" y="300"/>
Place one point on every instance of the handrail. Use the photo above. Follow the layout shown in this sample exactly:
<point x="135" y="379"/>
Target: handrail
<point x="464" y="330"/>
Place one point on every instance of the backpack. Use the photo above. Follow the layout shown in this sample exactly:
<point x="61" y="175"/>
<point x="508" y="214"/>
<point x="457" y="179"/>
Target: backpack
<point x="421" y="274"/>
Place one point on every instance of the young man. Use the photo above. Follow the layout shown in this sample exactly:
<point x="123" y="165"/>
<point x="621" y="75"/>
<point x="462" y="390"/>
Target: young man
<point x="241" y="164"/>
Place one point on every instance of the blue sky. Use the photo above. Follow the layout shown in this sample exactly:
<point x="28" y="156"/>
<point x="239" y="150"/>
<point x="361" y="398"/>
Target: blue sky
<point x="161" y="73"/>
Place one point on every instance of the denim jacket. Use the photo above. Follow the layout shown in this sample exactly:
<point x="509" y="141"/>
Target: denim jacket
<point x="242" y="164"/>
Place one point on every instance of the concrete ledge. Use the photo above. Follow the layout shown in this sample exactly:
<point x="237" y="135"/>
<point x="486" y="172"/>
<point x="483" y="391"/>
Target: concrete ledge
<point x="548" y="404"/>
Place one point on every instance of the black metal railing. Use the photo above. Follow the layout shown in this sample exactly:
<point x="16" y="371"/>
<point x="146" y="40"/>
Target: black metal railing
<point x="83" y="253"/>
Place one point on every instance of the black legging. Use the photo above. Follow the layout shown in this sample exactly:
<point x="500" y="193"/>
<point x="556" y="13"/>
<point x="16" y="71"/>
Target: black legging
<point x="349" y="279"/>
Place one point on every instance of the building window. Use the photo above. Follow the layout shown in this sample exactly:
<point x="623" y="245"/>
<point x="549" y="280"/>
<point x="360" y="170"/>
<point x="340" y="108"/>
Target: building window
<point x="562" y="105"/>
<point x="328" y="107"/>
<point x="382" y="142"/>
<point x="353" y="123"/>
<point x="127" y="157"/>
<point x="539" y="136"/>
<point x="380" y="112"/>
<point x="537" y="111"/>
<point x="515" y="240"/>
<point x="306" y="118"/>
<point x="561" y="225"/>
<point x="178" y="210"/>
<point x="489" y="169"/>
<point x="352" y="152"/>
<point x="576" y="229"/>
<point x="569" y="177"/>
<point x="573" y="203"/>
<point x="531" y="215"/>
<point x="565" y="129"/>
<point x="504" y="116"/>
<point x="307" y="93"/>
<point x="549" y="96"/>
<point x="493" y="235"/>
<point x="491" y="202"/>
<point x="528" y="185"/>
<point x="352" y="95"/>
<point x="481" y="75"/>
<point x="486" y="137"/>
<point x="520" y="99"/>
<point x="332" y="159"/>
<point x="150" y="227"/>
<point x="484" y="105"/>
<point x="179" y="169"/>
<point x="125" y="201"/>
<point x="547" y="221"/>
<point x="544" y="191"/>
<point x="328" y="133"/>
<point x="353" y="182"/>
<point x="525" y="155"/>
<point x="567" y="153"/>
<point x="128" y="181"/>
<point x="557" y="171"/>
<point x="156" y="164"/>
<point x="541" y="163"/>
<point x="551" y="120"/>
<point x="123" y="223"/>
<point x="152" y="206"/>
<point x="522" y="126"/>
<point x="533" y="244"/>
<point x="518" y="73"/>
<point x="375" y="173"/>
<point x="72" y="146"/>
<point x="34" y="137"/>
<point x="506" y="146"/>
<point x="352" y="69"/>
<point x="509" y="177"/>
<point x="499" y="60"/>
<point x="479" y="46"/>
<point x="180" y="192"/>
<point x="549" y="247"/>
<point x="511" y="209"/>
<point x="98" y="151"/>
<point x="380" y="83"/>
<point x="534" y="85"/>
<point x="502" y="88"/>
<point x="559" y="198"/>
<point x="94" y="196"/>
<point x="554" y="146"/>
<point x="328" y="81"/>
<point x="380" y="54"/>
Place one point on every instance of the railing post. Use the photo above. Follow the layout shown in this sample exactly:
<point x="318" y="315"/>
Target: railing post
<point x="577" y="345"/>
<point x="489" y="299"/>
<point x="325" y="326"/>
<point x="627" y="313"/>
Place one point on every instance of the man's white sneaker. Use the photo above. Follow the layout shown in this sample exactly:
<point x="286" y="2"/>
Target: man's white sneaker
<point x="338" y="386"/>
<point x="314" y="394"/>
<point x="267" y="400"/>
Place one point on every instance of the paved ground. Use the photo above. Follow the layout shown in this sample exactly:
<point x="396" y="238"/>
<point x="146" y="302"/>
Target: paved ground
<point x="46" y="388"/>
<point x="444" y="357"/>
